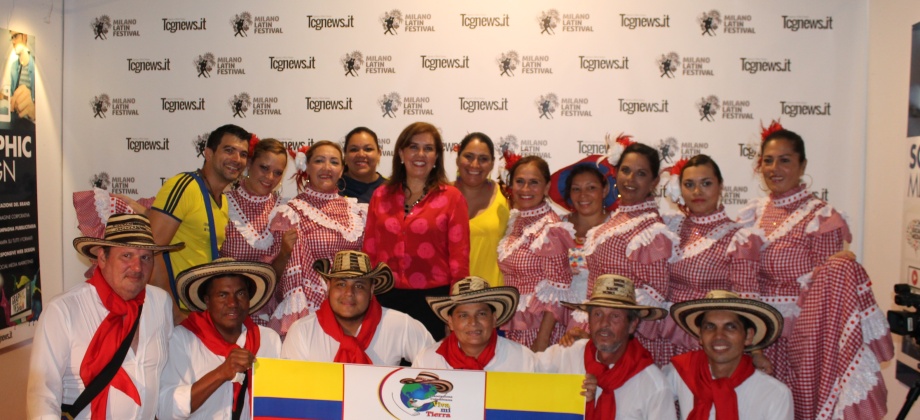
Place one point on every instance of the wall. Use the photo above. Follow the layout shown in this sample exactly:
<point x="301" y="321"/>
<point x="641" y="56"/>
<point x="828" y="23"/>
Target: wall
<point x="44" y="20"/>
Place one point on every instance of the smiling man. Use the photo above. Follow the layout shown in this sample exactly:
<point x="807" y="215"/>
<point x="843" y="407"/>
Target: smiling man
<point x="622" y="381"/>
<point x="191" y="207"/>
<point x="350" y="325"/>
<point x="473" y="311"/>
<point x="720" y="381"/>
<point x="211" y="353"/>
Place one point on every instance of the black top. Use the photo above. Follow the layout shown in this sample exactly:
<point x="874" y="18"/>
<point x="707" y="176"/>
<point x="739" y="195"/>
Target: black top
<point x="360" y="190"/>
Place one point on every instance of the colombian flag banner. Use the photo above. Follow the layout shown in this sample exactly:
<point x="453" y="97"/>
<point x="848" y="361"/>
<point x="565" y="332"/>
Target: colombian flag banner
<point x="529" y="396"/>
<point x="288" y="389"/>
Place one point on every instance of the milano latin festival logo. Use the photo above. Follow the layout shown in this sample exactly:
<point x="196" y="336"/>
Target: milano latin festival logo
<point x="239" y="104"/>
<point x="508" y="62"/>
<point x="668" y="64"/>
<point x="391" y="21"/>
<point x="352" y="63"/>
<point x="204" y="64"/>
<point x="708" y="108"/>
<point x="546" y="105"/>
<point x="710" y="22"/>
<point x="389" y="104"/>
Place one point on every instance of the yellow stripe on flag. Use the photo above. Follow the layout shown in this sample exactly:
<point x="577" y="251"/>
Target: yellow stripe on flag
<point x="551" y="393"/>
<point x="298" y="379"/>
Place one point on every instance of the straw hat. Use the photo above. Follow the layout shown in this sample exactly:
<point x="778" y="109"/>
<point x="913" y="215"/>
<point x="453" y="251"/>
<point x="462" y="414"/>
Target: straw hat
<point x="261" y="277"/>
<point x="353" y="265"/>
<point x="124" y="230"/>
<point x="618" y="292"/>
<point x="503" y="300"/>
<point x="768" y="322"/>
<point x="430" y="378"/>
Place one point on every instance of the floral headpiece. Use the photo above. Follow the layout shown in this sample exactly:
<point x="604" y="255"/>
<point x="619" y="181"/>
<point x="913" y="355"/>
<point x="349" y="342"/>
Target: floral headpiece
<point x="300" y="166"/>
<point x="672" y="185"/>
<point x="616" y="146"/>
<point x="767" y="131"/>
<point x="510" y="158"/>
<point x="253" y="141"/>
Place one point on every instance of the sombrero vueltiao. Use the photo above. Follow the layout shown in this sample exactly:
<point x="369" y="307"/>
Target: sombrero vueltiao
<point x="353" y="265"/>
<point x="123" y="230"/>
<point x="189" y="282"/>
<point x="503" y="300"/>
<point x="768" y="322"/>
<point x="617" y="292"/>
<point x="558" y="179"/>
<point x="430" y="378"/>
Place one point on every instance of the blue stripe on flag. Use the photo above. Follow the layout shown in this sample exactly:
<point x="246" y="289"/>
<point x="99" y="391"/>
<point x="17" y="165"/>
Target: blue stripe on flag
<point x="297" y="409"/>
<point x="529" y="415"/>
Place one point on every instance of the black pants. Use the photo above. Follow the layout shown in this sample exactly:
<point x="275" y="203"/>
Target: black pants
<point x="412" y="302"/>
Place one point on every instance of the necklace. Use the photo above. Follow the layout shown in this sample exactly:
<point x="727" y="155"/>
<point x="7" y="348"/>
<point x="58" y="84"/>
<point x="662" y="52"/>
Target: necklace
<point x="407" y="207"/>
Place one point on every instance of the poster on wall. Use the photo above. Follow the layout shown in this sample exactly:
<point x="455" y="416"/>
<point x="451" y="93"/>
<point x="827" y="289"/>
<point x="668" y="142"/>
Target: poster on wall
<point x="20" y="281"/>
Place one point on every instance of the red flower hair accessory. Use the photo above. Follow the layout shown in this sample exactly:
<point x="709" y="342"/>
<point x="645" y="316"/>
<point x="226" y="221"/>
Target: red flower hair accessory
<point x="616" y="146"/>
<point x="253" y="141"/>
<point x="300" y="166"/>
<point x="772" y="128"/>
<point x="672" y="185"/>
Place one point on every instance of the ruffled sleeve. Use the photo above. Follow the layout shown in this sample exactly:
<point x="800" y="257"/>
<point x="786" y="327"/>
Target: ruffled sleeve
<point x="282" y="218"/>
<point x="746" y="244"/>
<point x="826" y="233"/>
<point x="749" y="214"/>
<point x="554" y="239"/>
<point x="653" y="243"/>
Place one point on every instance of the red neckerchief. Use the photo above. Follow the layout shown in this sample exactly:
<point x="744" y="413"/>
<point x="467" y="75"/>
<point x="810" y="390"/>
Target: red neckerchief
<point x="693" y="368"/>
<point x="457" y="359"/>
<point x="108" y="336"/>
<point x="634" y="360"/>
<point x="351" y="349"/>
<point x="201" y="324"/>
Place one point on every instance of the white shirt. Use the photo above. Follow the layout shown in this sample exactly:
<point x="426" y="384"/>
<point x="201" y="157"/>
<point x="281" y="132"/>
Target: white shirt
<point x="509" y="357"/>
<point x="189" y="360"/>
<point x="65" y="329"/>
<point x="646" y="395"/>
<point x="760" y="397"/>
<point x="398" y="336"/>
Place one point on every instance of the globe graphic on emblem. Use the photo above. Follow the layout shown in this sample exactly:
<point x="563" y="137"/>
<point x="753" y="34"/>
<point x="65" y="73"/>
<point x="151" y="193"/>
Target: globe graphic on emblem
<point x="412" y="394"/>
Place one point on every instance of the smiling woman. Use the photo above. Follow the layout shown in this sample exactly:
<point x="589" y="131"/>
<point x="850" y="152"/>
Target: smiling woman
<point x="362" y="154"/>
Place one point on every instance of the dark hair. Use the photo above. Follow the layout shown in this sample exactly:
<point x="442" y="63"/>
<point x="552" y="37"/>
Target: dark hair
<point x="745" y="322"/>
<point x="798" y="145"/>
<point x="541" y="165"/>
<point x="437" y="176"/>
<point x="359" y="130"/>
<point x="205" y="287"/>
<point x="584" y="168"/>
<point x="217" y="135"/>
<point x="268" y="145"/>
<point x="650" y="154"/>
<point x="700" y="160"/>
<point x="322" y="143"/>
<point x="450" y="311"/>
<point x="477" y="136"/>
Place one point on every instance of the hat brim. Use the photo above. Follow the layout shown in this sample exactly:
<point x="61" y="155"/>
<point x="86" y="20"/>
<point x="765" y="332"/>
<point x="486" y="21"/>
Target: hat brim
<point x="503" y="300"/>
<point x="440" y="385"/>
<point x="558" y="179"/>
<point x="190" y="281"/>
<point x="768" y="322"/>
<point x="86" y="246"/>
<point x="646" y="313"/>
<point x="380" y="275"/>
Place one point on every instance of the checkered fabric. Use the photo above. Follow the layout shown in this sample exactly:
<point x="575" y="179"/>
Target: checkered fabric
<point x="94" y="207"/>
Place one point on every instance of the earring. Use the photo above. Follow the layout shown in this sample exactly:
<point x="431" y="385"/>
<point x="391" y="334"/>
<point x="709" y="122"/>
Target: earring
<point x="808" y="184"/>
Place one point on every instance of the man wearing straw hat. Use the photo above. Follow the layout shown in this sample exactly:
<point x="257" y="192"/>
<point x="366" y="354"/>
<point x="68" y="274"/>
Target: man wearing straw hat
<point x="628" y="385"/>
<point x="473" y="311"/>
<point x="350" y="325"/>
<point x="720" y="381"/>
<point x="211" y="352"/>
<point x="100" y="347"/>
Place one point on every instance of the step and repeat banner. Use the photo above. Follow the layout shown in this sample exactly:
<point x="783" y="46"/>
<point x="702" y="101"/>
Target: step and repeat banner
<point x="145" y="82"/>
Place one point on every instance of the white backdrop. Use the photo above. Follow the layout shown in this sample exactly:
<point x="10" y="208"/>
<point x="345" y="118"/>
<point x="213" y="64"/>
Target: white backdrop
<point x="136" y="98"/>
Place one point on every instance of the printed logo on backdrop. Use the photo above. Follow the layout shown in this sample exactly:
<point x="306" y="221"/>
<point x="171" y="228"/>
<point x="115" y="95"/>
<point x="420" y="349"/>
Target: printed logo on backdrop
<point x="114" y="184"/>
<point x="389" y="104"/>
<point x="102" y="103"/>
<point x="327" y="104"/>
<point x="260" y="25"/>
<point x="708" y="108"/>
<point x="175" y="25"/>
<point x="551" y="19"/>
<point x="199" y="143"/>
<point x="546" y="105"/>
<point x="548" y="21"/>
<point x="373" y="64"/>
<point x="737" y="110"/>
<point x="820" y="193"/>
<point x="588" y="148"/>
<point x="138" y="65"/>
<point x="735" y="195"/>
<point x="737" y="24"/>
<point x="391" y="21"/>
<point x="641" y="106"/>
<point x="796" y="23"/>
<point x="536" y="147"/>
<point x="756" y="65"/>
<point x="330" y="22"/>
<point x="804" y="109"/>
<point x="204" y="64"/>
<point x="103" y="25"/>
<point x="472" y="105"/>
<point x="508" y="62"/>
<point x="143" y="144"/>
<point x="172" y="105"/>
<point x="100" y="180"/>
<point x="748" y="150"/>
<point x="633" y="22"/>
<point x="710" y="22"/>
<point x="292" y="144"/>
<point x="603" y="63"/>
<point x="439" y="62"/>
<point x="690" y="149"/>
<point x="480" y="21"/>
<point x="387" y="151"/>
<point x="239" y="104"/>
<point x="207" y="62"/>
<point x="281" y="64"/>
<point x="426" y="394"/>
<point x="352" y="62"/>
<point x="667" y="150"/>
<point x="417" y="105"/>
<point x="668" y="64"/>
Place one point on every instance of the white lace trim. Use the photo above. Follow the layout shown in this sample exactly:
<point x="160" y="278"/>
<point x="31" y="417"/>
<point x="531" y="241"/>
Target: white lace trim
<point x="258" y="240"/>
<point x="743" y="236"/>
<point x="673" y="220"/>
<point x="105" y="204"/>
<point x="824" y="213"/>
<point x="351" y="233"/>
<point x="797" y="216"/>
<point x="647" y="296"/>
<point x="321" y="195"/>
<point x="543" y="237"/>
<point x="701" y="244"/>
<point x="552" y="292"/>
<point x="861" y="377"/>
<point x="710" y="218"/>
<point x="645" y="205"/>
<point x="294" y="303"/>
<point x="647" y="235"/>
<point x="505" y="249"/>
<point x="785" y="201"/>
<point x="750" y="214"/>
<point x="804" y="280"/>
<point x="255" y="198"/>
<point x="786" y="305"/>
<point x="592" y="241"/>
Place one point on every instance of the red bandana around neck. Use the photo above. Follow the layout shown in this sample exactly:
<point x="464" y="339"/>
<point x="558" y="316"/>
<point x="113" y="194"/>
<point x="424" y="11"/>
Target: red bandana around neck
<point x="457" y="359"/>
<point x="201" y="324"/>
<point x="635" y="359"/>
<point x="693" y="368"/>
<point x="109" y="335"/>
<point x="351" y="349"/>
